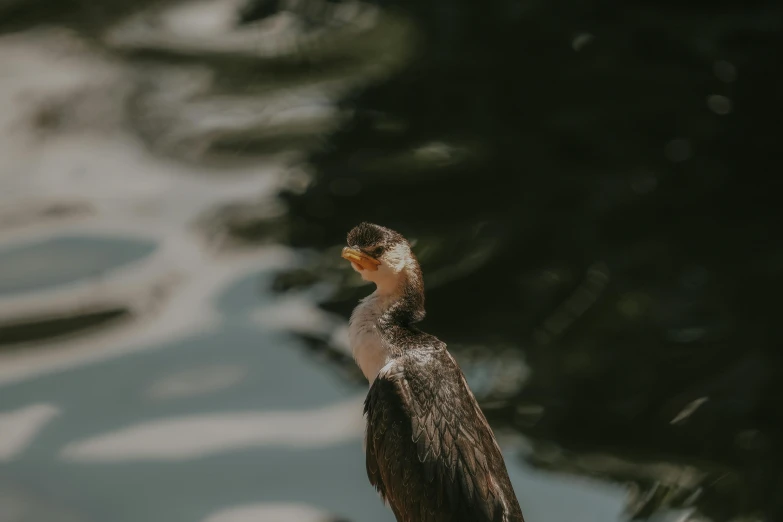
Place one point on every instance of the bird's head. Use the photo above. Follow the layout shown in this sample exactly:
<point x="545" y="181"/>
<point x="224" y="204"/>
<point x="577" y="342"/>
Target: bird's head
<point x="382" y="256"/>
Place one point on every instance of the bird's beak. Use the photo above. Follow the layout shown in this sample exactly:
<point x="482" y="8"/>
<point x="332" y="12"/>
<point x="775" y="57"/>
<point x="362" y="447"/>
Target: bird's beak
<point x="358" y="257"/>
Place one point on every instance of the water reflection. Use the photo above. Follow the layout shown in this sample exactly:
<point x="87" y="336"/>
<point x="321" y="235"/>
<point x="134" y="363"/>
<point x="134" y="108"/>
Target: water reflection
<point x="271" y="511"/>
<point x="286" y="432"/>
<point x="196" y="381"/>
<point x="198" y="436"/>
<point x="28" y="268"/>
<point x="19" y="427"/>
<point x="172" y="333"/>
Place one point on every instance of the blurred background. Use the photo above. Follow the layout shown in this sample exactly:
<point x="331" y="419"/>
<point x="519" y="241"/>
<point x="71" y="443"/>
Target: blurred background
<point x="592" y="189"/>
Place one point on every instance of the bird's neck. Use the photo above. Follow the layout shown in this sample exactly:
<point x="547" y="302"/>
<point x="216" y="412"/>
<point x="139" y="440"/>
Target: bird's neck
<point x="402" y="303"/>
<point x="382" y="321"/>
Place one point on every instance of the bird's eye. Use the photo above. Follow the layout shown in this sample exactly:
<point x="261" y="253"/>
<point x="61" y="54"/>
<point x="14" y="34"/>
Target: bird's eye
<point x="376" y="252"/>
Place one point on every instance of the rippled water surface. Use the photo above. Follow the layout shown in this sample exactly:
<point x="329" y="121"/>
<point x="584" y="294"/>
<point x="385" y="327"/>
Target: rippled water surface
<point x="176" y="180"/>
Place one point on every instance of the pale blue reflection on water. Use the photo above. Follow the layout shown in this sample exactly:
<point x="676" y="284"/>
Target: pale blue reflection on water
<point x="29" y="267"/>
<point x="113" y="395"/>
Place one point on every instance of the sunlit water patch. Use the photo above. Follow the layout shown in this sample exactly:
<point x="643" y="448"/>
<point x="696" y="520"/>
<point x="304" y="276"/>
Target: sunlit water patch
<point x="19" y="427"/>
<point x="271" y="512"/>
<point x="197" y="381"/>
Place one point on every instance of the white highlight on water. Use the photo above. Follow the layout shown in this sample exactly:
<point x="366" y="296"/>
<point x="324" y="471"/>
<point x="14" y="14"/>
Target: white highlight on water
<point x="18" y="428"/>
<point x="196" y="436"/>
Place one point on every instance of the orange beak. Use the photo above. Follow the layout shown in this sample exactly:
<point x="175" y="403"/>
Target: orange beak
<point x="361" y="259"/>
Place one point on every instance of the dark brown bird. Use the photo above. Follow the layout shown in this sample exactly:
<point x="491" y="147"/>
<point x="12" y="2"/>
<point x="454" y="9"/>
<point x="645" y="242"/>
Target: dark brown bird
<point x="430" y="452"/>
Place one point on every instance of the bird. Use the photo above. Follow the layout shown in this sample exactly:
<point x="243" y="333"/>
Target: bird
<point x="430" y="452"/>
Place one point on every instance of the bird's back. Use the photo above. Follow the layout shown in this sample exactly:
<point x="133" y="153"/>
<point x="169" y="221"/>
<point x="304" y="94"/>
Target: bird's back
<point x="430" y="451"/>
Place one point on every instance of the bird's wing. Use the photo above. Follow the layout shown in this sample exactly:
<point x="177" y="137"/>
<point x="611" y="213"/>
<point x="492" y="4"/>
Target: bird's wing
<point x="427" y="436"/>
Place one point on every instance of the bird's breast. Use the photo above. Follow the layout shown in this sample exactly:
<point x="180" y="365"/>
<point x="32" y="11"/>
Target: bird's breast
<point x="365" y="340"/>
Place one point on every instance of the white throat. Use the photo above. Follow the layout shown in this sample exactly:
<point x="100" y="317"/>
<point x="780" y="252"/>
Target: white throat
<point x="369" y="350"/>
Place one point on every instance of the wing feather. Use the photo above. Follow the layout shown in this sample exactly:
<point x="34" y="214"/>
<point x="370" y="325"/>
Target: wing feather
<point x="430" y="451"/>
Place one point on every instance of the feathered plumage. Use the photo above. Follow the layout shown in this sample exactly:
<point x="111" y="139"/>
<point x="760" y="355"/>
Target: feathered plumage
<point x="431" y="453"/>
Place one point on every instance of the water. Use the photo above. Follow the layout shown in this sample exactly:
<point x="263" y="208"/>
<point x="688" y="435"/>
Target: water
<point x="175" y="185"/>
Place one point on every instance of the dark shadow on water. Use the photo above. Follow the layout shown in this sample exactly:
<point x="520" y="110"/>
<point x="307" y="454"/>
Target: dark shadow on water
<point x="13" y="335"/>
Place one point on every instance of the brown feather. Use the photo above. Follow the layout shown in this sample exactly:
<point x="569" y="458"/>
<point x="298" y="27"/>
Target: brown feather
<point x="428" y="468"/>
